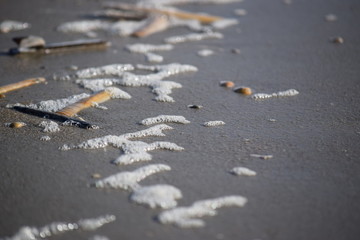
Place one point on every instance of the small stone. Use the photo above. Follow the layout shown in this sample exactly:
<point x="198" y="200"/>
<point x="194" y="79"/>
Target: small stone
<point x="331" y="17"/>
<point x="96" y="176"/>
<point x="338" y="40"/>
<point x="227" y="84"/>
<point x="2" y="95"/>
<point x="17" y="125"/>
<point x="236" y="51"/>
<point x="243" y="90"/>
<point x="195" y="106"/>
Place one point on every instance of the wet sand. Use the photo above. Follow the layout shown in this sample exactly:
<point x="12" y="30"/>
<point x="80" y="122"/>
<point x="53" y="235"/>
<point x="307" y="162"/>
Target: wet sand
<point x="308" y="190"/>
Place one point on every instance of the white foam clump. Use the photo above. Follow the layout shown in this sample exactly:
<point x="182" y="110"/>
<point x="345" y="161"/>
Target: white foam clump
<point x="187" y="217"/>
<point x="117" y="93"/>
<point x="154" y="58"/>
<point x="53" y="105"/>
<point x="164" y="119"/>
<point x="148" y="49"/>
<point x="162" y="196"/>
<point x="213" y="123"/>
<point x="49" y="126"/>
<point x="129" y="180"/>
<point x="134" y="151"/>
<point x="145" y="48"/>
<point x="193" y="37"/>
<point x="95" y="223"/>
<point x="45" y="138"/>
<point x="107" y="70"/>
<point x="224" y="23"/>
<point x="243" y="171"/>
<point x="154" y="80"/>
<point x="83" y="26"/>
<point x="120" y="28"/>
<point x="205" y="52"/>
<point x="10" y="25"/>
<point x="56" y="228"/>
<point x="287" y="93"/>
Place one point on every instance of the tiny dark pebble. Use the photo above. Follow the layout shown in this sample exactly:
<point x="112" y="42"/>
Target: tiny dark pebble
<point x="235" y="51"/>
<point x="96" y="175"/>
<point x="195" y="106"/>
<point x="337" y="40"/>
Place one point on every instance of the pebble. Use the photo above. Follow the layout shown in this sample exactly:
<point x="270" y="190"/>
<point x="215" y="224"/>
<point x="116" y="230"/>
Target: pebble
<point x="96" y="176"/>
<point x="2" y="95"/>
<point x="243" y="90"/>
<point x="338" y="40"/>
<point x="331" y="17"/>
<point x="236" y="51"/>
<point x="227" y="84"/>
<point x="17" y="125"/>
<point x="195" y="106"/>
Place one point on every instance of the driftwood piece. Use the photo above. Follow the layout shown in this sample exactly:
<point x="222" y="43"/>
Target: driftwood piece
<point x="62" y="47"/>
<point x="73" y="109"/>
<point x="154" y="24"/>
<point x="21" y="84"/>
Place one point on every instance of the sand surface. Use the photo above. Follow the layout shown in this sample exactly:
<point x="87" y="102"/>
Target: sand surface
<point x="308" y="190"/>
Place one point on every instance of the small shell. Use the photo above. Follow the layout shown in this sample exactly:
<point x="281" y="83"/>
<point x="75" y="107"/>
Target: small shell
<point x="243" y="90"/>
<point x="338" y="40"/>
<point x="17" y="125"/>
<point x="227" y="84"/>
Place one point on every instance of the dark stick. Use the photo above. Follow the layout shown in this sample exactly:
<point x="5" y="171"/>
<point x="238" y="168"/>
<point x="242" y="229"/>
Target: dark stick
<point x="56" y="117"/>
<point x="63" y="46"/>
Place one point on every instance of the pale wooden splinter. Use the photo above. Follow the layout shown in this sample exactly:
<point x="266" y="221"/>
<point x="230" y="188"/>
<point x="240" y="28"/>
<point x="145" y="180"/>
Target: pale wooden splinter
<point x="179" y="14"/>
<point x="154" y="24"/>
<point x="73" y="109"/>
<point x="21" y="84"/>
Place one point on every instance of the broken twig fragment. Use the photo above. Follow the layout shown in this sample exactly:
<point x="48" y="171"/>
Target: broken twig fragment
<point x="57" y="47"/>
<point x="94" y="99"/>
<point x="21" y="84"/>
<point x="154" y="24"/>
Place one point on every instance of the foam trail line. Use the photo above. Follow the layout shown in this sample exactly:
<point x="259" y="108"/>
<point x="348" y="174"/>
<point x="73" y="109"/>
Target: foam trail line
<point x="56" y="117"/>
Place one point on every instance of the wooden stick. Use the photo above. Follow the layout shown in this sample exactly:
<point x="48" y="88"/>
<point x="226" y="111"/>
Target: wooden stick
<point x="73" y="109"/>
<point x="63" y="47"/>
<point x="21" y="84"/>
<point x="155" y="24"/>
<point x="180" y="14"/>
